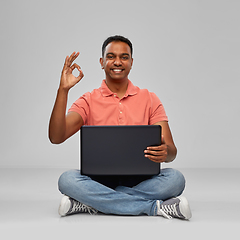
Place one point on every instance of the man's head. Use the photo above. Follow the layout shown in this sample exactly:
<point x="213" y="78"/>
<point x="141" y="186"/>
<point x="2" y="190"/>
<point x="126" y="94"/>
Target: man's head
<point x="116" y="38"/>
<point x="117" y="58"/>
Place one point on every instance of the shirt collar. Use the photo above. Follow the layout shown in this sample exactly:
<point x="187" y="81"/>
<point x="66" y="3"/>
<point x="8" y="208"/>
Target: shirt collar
<point x="131" y="90"/>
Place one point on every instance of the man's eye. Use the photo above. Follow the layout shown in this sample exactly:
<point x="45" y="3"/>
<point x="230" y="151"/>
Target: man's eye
<point x="110" y="57"/>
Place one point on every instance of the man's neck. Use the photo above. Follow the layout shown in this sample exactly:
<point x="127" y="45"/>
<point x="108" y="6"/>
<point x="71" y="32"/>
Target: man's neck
<point x="118" y="87"/>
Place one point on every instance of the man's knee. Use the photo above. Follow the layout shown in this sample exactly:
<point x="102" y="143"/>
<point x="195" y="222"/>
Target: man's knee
<point x="67" y="179"/>
<point x="179" y="178"/>
<point x="176" y="178"/>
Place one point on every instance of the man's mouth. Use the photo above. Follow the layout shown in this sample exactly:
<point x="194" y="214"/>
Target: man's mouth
<point x="117" y="70"/>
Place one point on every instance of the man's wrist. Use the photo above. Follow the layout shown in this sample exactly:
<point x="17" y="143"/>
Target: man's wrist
<point x="171" y="154"/>
<point x="63" y="90"/>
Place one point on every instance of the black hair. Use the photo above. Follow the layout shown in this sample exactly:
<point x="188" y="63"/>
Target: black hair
<point x="116" y="38"/>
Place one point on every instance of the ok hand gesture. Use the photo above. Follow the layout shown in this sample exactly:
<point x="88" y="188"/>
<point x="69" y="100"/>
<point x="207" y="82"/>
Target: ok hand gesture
<point x="68" y="80"/>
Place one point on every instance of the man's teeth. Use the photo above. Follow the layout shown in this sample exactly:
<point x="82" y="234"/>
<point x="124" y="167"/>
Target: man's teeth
<point x="117" y="70"/>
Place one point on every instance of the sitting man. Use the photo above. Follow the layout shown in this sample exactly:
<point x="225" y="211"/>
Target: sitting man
<point x="116" y="102"/>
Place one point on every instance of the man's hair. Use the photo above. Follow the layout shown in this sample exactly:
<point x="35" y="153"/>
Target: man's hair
<point x="116" y="38"/>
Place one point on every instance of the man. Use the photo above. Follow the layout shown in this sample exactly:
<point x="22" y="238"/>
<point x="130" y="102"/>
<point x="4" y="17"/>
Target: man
<point x="116" y="102"/>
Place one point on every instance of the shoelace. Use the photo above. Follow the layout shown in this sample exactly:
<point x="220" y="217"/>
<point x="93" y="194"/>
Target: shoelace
<point x="80" y="207"/>
<point x="164" y="214"/>
<point x="169" y="210"/>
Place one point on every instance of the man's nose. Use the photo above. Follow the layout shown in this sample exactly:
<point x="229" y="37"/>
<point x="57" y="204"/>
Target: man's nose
<point x="118" y="61"/>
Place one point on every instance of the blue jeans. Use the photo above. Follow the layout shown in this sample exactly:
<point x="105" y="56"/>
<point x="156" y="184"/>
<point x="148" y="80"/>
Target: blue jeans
<point x="123" y="200"/>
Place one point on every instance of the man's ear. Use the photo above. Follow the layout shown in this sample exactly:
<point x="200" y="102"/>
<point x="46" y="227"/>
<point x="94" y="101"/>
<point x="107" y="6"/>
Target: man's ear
<point x="101" y="62"/>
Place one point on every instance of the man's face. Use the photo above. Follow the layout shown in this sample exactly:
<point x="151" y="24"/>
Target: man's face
<point x="117" y="61"/>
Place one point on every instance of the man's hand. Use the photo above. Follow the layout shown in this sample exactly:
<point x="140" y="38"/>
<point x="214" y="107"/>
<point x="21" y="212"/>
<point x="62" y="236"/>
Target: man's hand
<point x="68" y="80"/>
<point x="157" y="154"/>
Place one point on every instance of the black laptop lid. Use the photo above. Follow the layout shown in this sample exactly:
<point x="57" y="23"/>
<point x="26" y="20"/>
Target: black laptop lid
<point x="118" y="150"/>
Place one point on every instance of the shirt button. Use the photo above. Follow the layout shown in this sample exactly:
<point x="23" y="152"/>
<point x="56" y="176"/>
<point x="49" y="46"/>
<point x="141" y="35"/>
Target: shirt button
<point x="120" y="111"/>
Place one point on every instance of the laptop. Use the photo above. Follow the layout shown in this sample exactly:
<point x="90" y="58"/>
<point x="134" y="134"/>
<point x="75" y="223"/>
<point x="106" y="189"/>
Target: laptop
<point x="118" y="150"/>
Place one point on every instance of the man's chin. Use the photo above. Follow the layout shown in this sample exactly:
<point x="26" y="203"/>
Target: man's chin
<point x="118" y="79"/>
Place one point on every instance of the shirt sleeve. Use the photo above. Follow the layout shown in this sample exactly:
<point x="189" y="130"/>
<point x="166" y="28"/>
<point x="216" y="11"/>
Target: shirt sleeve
<point x="81" y="106"/>
<point x="158" y="113"/>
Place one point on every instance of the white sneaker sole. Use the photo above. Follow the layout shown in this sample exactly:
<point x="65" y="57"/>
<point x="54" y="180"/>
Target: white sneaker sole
<point x="184" y="207"/>
<point x="64" y="206"/>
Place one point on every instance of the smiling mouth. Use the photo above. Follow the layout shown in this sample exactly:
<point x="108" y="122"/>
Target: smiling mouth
<point x="117" y="70"/>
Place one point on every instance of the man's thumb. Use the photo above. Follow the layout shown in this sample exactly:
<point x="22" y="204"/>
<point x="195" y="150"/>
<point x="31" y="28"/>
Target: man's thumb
<point x="163" y="141"/>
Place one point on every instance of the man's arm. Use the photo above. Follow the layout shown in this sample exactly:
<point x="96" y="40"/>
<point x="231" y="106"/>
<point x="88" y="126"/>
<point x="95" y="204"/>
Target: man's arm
<point x="167" y="151"/>
<point x="62" y="126"/>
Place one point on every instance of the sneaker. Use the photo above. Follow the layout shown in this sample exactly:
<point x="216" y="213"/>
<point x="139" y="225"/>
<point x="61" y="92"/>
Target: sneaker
<point x="71" y="206"/>
<point x="175" y="207"/>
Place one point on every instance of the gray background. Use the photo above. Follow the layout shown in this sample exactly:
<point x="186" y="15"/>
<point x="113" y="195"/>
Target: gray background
<point x="186" y="51"/>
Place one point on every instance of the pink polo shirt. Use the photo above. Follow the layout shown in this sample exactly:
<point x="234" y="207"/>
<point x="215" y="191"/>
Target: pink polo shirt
<point x="103" y="107"/>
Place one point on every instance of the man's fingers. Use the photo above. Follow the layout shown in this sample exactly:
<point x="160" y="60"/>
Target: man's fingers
<point x="155" y="148"/>
<point x="155" y="153"/>
<point x="80" y="75"/>
<point x="66" y="63"/>
<point x="75" y="66"/>
<point x="69" y="60"/>
<point x="155" y="158"/>
<point x="78" y="68"/>
<point x="73" y="56"/>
